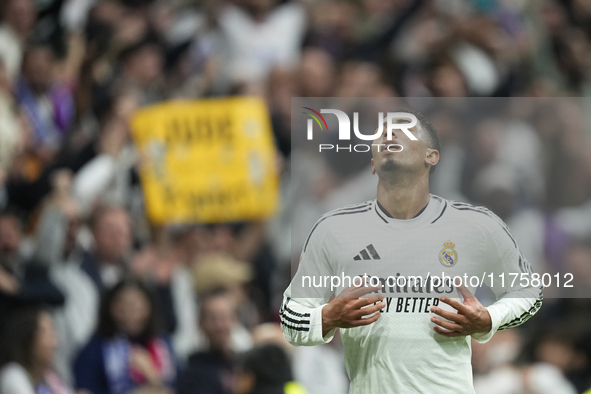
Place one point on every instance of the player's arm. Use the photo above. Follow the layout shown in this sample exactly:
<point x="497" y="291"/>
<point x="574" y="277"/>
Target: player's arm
<point x="516" y="301"/>
<point x="307" y="318"/>
<point x="313" y="321"/>
<point x="301" y="320"/>
<point x="301" y="309"/>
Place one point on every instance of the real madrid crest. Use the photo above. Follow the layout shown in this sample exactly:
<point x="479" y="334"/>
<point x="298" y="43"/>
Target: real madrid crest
<point x="448" y="255"/>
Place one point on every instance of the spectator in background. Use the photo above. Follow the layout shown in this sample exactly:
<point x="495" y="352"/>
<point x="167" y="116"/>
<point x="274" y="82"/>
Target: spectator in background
<point x="27" y="353"/>
<point x="211" y="371"/>
<point x="106" y="264"/>
<point x="577" y="261"/>
<point x="129" y="351"/>
<point x="10" y="241"/>
<point x="561" y="349"/>
<point x="445" y="79"/>
<point x="142" y="70"/>
<point x="59" y="245"/>
<point x="497" y="371"/>
<point x="242" y="243"/>
<point x="109" y="177"/>
<point x="161" y="266"/>
<point x="221" y="271"/>
<point x="271" y="333"/>
<point x="18" y="21"/>
<point x="266" y="369"/>
<point x="316" y="73"/>
<point x="11" y="130"/>
<point x="22" y="282"/>
<point x="260" y="35"/>
<point x="48" y="105"/>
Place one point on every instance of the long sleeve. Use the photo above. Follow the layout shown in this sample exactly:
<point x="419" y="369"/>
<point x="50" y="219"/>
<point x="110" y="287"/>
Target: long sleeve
<point x="185" y="307"/>
<point x="301" y="320"/>
<point x="301" y="309"/>
<point x="518" y="300"/>
<point x="93" y="179"/>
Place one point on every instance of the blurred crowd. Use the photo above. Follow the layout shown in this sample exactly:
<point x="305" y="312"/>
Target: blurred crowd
<point x="93" y="298"/>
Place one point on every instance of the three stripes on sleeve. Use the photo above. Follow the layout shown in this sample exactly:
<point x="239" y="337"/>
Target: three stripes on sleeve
<point x="292" y="319"/>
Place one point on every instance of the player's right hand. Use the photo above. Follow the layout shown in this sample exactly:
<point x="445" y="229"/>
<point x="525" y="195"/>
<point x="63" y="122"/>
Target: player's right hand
<point x="349" y="310"/>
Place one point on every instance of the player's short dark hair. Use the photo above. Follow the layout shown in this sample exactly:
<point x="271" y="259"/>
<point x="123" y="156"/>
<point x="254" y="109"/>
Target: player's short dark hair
<point x="433" y="141"/>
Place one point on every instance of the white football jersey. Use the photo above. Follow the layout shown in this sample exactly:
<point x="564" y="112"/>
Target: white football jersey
<point x="401" y="353"/>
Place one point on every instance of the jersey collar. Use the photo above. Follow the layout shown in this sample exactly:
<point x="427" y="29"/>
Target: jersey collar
<point x="428" y="214"/>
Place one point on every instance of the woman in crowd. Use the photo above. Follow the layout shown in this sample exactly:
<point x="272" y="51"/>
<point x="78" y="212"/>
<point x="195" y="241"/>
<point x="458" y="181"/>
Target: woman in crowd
<point x="27" y="353"/>
<point x="129" y="353"/>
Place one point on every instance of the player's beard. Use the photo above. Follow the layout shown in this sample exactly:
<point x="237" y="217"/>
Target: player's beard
<point x="391" y="171"/>
<point x="389" y="166"/>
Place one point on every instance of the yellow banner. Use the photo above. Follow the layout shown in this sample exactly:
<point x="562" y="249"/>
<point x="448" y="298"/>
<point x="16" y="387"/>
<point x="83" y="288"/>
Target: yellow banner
<point x="207" y="161"/>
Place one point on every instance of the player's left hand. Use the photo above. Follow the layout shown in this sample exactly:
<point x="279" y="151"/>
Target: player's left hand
<point x="471" y="316"/>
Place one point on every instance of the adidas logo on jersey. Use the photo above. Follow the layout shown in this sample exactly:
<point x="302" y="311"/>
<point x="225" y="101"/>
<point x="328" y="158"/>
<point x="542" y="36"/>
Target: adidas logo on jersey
<point x="369" y="253"/>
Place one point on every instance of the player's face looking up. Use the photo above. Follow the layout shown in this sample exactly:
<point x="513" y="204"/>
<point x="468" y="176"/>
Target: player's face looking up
<point x="416" y="157"/>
